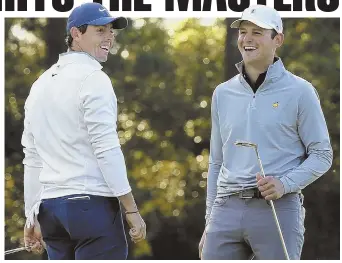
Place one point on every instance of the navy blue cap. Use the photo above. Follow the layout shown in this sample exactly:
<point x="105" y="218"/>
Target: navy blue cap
<point x="94" y="14"/>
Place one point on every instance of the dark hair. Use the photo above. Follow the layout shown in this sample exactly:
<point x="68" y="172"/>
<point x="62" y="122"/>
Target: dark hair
<point x="274" y="33"/>
<point x="69" y="39"/>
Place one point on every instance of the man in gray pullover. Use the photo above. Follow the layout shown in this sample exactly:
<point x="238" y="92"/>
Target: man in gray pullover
<point x="281" y="113"/>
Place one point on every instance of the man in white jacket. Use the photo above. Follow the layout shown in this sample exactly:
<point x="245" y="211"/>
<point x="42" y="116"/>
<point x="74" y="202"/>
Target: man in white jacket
<point x="74" y="170"/>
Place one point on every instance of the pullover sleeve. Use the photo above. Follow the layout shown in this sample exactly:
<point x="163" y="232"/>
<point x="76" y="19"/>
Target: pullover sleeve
<point x="99" y="105"/>
<point x="215" y="157"/>
<point x="314" y="134"/>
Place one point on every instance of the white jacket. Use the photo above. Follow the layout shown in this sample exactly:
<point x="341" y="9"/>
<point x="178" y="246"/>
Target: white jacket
<point x="70" y="139"/>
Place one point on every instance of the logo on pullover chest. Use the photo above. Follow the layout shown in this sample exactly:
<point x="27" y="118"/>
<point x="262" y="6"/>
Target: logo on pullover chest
<point x="275" y="104"/>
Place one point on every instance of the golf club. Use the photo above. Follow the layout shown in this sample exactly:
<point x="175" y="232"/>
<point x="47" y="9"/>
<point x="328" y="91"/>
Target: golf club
<point x="11" y="251"/>
<point x="255" y="146"/>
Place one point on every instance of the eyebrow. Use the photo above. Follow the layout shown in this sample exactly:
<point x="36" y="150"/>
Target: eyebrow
<point x="254" y="29"/>
<point x="104" y="27"/>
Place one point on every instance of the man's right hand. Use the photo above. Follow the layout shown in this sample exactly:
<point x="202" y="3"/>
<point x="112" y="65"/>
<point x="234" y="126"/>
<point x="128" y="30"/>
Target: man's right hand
<point x="200" y="246"/>
<point x="33" y="239"/>
<point x="137" y="225"/>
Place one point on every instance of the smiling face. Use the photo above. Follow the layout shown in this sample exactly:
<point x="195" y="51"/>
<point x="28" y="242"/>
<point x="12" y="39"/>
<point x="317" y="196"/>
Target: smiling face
<point x="96" y="41"/>
<point x="256" y="44"/>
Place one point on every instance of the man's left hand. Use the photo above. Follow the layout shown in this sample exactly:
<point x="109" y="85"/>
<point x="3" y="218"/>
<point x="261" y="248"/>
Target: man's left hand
<point x="271" y="188"/>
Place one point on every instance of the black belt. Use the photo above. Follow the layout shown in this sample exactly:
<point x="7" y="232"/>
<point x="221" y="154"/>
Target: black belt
<point x="249" y="193"/>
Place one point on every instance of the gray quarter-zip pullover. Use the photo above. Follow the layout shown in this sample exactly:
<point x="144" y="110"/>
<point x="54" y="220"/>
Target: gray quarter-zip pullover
<point x="283" y="117"/>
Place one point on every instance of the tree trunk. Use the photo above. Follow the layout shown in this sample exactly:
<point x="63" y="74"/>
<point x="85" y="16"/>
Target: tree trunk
<point x="54" y="36"/>
<point x="232" y="54"/>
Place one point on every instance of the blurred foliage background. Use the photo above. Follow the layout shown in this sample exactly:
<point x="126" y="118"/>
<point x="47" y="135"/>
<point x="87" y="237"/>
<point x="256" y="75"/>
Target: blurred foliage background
<point x="164" y="74"/>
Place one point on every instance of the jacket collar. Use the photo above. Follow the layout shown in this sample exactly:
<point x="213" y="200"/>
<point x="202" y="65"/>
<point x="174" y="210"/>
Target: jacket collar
<point x="78" y="57"/>
<point x="274" y="71"/>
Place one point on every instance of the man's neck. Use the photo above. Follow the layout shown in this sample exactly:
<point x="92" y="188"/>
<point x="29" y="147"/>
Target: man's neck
<point x="254" y="70"/>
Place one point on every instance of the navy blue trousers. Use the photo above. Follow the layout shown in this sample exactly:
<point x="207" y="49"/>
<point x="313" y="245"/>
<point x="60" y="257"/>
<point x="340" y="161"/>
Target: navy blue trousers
<point x="83" y="227"/>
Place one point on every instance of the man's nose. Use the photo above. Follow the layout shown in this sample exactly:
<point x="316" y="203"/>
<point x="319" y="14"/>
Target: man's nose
<point x="109" y="35"/>
<point x="247" y="37"/>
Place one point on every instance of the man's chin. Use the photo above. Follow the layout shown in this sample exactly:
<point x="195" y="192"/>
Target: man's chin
<point x="102" y="59"/>
<point x="251" y="60"/>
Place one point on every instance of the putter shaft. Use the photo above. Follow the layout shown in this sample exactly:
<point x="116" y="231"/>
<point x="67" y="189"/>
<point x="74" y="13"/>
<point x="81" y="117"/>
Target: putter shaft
<point x="274" y="211"/>
<point x="255" y="146"/>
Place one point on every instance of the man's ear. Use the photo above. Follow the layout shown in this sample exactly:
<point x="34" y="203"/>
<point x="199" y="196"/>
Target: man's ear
<point x="75" y="33"/>
<point x="279" y="39"/>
